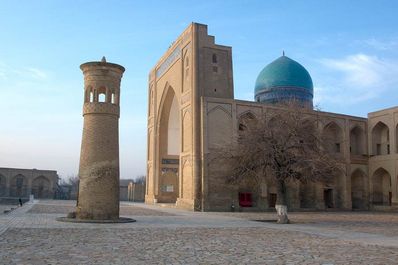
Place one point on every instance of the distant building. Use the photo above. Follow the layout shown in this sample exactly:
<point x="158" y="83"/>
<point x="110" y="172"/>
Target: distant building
<point x="20" y="183"/>
<point x="67" y="192"/>
<point x="123" y="188"/>
<point x="131" y="191"/>
<point x="136" y="192"/>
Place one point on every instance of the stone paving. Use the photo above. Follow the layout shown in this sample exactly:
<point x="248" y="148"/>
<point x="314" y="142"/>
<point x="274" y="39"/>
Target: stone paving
<point x="30" y="235"/>
<point x="6" y="208"/>
<point x="367" y="222"/>
<point x="65" y="207"/>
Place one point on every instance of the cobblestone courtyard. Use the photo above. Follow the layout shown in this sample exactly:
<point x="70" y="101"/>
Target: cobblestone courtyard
<point x="30" y="235"/>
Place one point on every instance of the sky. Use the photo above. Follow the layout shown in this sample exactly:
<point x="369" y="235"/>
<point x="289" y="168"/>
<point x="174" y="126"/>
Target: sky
<point x="350" y="49"/>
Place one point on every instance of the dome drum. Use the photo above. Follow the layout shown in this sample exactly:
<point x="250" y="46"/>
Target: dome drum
<point x="284" y="94"/>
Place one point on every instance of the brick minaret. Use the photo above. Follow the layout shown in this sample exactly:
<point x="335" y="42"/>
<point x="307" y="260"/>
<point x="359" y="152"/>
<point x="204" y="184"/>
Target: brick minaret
<point x="99" y="159"/>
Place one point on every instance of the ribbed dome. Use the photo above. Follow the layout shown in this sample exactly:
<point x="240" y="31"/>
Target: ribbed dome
<point x="284" y="79"/>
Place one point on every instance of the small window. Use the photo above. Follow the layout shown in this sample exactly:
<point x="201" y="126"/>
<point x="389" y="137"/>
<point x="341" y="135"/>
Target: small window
<point x="113" y="98"/>
<point x="337" y="147"/>
<point x="91" y="96"/>
<point x="388" y="149"/>
<point x="214" y="58"/>
<point x="215" y="69"/>
<point x="101" y="97"/>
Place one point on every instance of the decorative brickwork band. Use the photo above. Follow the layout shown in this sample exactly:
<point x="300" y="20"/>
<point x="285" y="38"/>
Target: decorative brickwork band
<point x="101" y="108"/>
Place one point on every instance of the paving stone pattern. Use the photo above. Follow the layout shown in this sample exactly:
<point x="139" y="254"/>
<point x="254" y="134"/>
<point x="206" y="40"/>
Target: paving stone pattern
<point x="367" y="222"/>
<point x="32" y="236"/>
<point x="65" y="208"/>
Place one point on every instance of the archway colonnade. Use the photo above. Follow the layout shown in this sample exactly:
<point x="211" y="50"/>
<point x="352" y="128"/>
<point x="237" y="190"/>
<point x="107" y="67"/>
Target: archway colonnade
<point x="21" y="186"/>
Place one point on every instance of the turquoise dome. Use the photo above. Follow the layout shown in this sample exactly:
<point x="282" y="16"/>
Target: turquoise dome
<point x="284" y="79"/>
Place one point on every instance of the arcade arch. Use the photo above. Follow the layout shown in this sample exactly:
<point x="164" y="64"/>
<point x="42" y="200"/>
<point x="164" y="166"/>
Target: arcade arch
<point x="357" y="141"/>
<point x="18" y="186"/>
<point x="246" y="121"/>
<point x="381" y="182"/>
<point x="41" y="187"/>
<point x="380" y="139"/>
<point x="358" y="189"/>
<point x="333" y="135"/>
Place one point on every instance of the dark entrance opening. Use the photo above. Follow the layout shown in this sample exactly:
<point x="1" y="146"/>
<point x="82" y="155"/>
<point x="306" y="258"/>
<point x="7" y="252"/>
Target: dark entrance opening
<point x="245" y="199"/>
<point x="328" y="198"/>
<point x="272" y="200"/>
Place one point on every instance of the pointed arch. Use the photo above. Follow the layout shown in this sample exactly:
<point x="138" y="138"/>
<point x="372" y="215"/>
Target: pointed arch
<point x="102" y="94"/>
<point x="333" y="135"/>
<point x="380" y="139"/>
<point x="219" y="127"/>
<point x="357" y="141"/>
<point x="247" y="120"/>
<point x="169" y="122"/>
<point x="19" y="186"/>
<point x="168" y="145"/>
<point x="381" y="187"/>
<point x="41" y="187"/>
<point x="358" y="189"/>
<point x="218" y="107"/>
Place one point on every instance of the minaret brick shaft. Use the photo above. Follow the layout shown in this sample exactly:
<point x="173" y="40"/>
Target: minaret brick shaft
<point x="99" y="159"/>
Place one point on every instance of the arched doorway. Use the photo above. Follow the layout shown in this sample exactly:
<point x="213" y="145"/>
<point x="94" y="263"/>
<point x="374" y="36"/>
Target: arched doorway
<point x="41" y="187"/>
<point x="169" y="148"/>
<point x="381" y="182"/>
<point x="357" y="141"/>
<point x="380" y="139"/>
<point x="358" y="190"/>
<point x="18" y="186"/>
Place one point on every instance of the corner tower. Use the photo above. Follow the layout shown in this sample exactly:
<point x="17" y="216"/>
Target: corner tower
<point x="98" y="197"/>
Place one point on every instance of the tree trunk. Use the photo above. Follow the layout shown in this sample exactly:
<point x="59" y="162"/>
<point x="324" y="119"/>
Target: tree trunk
<point x="281" y="205"/>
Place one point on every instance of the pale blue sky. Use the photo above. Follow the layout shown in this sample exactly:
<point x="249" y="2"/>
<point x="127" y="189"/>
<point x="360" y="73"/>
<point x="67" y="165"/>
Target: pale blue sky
<point x="350" y="49"/>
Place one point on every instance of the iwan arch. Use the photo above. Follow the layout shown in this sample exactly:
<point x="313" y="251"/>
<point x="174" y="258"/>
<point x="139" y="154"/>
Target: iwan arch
<point x="192" y="112"/>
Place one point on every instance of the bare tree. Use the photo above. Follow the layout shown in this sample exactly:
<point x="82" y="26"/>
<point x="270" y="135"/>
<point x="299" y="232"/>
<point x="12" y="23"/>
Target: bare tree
<point x="73" y="180"/>
<point x="287" y="145"/>
<point x="140" y="179"/>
